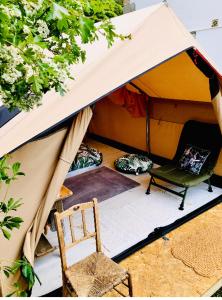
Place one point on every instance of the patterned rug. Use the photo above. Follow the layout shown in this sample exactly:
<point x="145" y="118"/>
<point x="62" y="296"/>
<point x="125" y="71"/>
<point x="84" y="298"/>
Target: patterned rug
<point x="201" y="249"/>
<point x="102" y="183"/>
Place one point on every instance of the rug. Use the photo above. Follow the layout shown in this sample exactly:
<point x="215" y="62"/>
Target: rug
<point x="102" y="183"/>
<point x="191" y="250"/>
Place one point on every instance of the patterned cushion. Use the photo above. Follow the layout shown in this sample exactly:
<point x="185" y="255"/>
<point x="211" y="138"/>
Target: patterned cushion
<point x="86" y="157"/>
<point x="193" y="159"/>
<point x="133" y="164"/>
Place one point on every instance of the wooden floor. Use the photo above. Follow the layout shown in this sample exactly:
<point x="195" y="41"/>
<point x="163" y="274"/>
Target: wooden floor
<point x="155" y="272"/>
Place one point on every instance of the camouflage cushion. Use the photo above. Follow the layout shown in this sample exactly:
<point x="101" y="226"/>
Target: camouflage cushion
<point x="133" y="164"/>
<point x="86" y="157"/>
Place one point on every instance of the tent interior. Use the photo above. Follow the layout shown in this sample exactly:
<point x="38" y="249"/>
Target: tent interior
<point x="173" y="93"/>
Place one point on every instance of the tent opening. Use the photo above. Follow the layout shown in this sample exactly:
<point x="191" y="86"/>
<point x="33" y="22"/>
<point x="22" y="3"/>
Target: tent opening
<point x="119" y="126"/>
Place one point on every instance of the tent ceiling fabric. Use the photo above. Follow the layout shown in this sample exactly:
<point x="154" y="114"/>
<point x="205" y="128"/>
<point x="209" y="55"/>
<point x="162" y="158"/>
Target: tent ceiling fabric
<point x="181" y="72"/>
<point x="157" y="36"/>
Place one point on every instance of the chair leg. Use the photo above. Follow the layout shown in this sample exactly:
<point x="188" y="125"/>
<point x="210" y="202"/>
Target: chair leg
<point x="148" y="189"/>
<point x="130" y="285"/>
<point x="183" y="200"/>
<point x="209" y="186"/>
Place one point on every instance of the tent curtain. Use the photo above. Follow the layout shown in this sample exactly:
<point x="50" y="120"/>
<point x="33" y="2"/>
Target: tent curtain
<point x="217" y="101"/>
<point x="214" y="83"/>
<point x="134" y="103"/>
<point x="68" y="153"/>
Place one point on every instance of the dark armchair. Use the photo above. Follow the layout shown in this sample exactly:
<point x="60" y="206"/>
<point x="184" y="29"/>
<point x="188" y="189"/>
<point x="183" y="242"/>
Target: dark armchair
<point x="198" y="134"/>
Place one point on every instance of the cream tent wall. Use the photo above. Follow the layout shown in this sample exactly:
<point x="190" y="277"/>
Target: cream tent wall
<point x="45" y="163"/>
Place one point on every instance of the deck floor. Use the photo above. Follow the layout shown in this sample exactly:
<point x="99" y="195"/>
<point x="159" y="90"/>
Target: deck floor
<point x="155" y="272"/>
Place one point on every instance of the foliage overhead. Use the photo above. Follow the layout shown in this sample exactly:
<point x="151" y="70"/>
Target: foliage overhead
<point x="40" y="39"/>
<point x="102" y="9"/>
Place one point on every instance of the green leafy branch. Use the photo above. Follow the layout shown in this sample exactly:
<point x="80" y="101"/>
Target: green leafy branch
<point x="7" y="175"/>
<point x="40" y="39"/>
<point x="27" y="273"/>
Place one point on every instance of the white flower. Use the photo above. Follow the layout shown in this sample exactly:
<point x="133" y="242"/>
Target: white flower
<point x="42" y="28"/>
<point x="26" y="29"/>
<point x="11" y="76"/>
<point x="11" y="11"/>
<point x="31" y="7"/>
<point x="64" y="35"/>
<point x="16" y="12"/>
<point x="63" y="45"/>
<point x="54" y="47"/>
<point x="36" y="48"/>
<point x="28" y="71"/>
<point x="49" y="39"/>
<point x="11" y="55"/>
<point x="15" y="53"/>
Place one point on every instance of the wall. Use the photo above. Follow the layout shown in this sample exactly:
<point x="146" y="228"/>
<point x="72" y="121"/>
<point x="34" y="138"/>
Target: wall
<point x="167" y="119"/>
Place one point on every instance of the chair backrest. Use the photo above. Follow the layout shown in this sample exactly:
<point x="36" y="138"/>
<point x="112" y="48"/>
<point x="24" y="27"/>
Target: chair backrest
<point x="69" y="215"/>
<point x="202" y="135"/>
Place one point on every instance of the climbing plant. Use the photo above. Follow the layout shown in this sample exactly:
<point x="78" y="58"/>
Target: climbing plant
<point x="7" y="175"/>
<point x="9" y="222"/>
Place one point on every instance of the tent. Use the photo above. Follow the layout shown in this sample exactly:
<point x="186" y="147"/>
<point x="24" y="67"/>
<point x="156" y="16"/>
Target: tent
<point x="162" y="59"/>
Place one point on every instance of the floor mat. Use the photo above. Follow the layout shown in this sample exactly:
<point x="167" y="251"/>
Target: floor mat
<point x="102" y="183"/>
<point x="191" y="249"/>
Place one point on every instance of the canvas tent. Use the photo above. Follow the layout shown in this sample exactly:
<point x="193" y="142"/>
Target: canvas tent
<point x="162" y="59"/>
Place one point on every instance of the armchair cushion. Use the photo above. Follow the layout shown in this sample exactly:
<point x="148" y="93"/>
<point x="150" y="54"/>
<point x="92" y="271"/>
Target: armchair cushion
<point x="172" y="174"/>
<point x="193" y="159"/>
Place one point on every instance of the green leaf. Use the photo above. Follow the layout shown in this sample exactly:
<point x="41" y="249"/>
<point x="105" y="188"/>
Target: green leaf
<point x="23" y="294"/>
<point x="62" y="24"/>
<point x="6" y="233"/>
<point x="7" y="274"/>
<point x="59" y="11"/>
<point x="86" y="27"/>
<point x="16" y="167"/>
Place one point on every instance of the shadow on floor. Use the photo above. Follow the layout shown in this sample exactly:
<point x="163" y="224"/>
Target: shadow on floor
<point x="58" y="293"/>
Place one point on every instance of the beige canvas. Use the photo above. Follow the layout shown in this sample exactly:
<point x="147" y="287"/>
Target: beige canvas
<point x="107" y="69"/>
<point x="46" y="163"/>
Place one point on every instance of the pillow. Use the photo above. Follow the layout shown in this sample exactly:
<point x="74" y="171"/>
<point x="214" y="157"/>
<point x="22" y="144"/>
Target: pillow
<point x="133" y="164"/>
<point x="86" y="157"/>
<point x="193" y="159"/>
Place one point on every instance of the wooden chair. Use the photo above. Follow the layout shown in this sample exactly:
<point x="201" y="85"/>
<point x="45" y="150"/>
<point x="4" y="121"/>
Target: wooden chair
<point x="95" y="275"/>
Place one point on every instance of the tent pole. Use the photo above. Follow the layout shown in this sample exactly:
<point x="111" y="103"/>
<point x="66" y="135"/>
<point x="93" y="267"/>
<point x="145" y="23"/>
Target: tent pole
<point x="147" y="117"/>
<point x="147" y="128"/>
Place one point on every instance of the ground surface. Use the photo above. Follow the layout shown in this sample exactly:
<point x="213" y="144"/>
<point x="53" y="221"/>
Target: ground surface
<point x="155" y="272"/>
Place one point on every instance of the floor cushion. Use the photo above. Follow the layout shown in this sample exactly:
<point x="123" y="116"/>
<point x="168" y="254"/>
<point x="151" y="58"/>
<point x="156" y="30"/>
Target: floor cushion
<point x="133" y="164"/>
<point x="86" y="157"/>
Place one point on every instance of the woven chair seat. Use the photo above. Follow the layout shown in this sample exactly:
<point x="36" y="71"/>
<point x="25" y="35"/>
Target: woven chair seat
<point x="95" y="275"/>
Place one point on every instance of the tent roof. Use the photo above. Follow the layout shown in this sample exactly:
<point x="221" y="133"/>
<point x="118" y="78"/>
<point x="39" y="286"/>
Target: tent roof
<point x="157" y="37"/>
